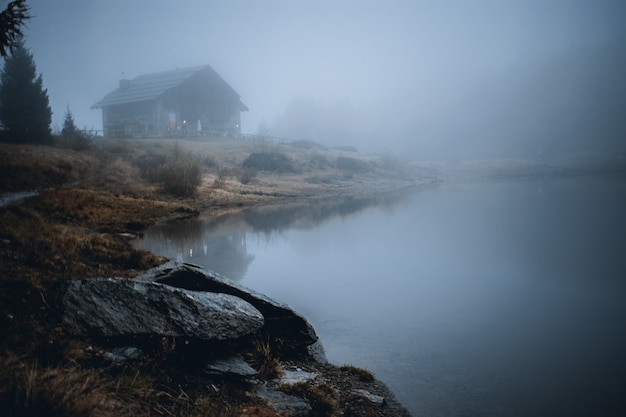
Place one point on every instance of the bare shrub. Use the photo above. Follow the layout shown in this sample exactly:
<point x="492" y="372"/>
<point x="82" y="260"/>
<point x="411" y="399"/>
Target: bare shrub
<point x="150" y="166"/>
<point x="208" y="162"/>
<point x="247" y="175"/>
<point x="269" y="161"/>
<point x="78" y="140"/>
<point x="181" y="174"/>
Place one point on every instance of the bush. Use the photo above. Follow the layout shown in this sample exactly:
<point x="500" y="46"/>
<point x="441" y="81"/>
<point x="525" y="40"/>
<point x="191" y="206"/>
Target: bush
<point x="269" y="161"/>
<point x="209" y="163"/>
<point x="150" y="166"/>
<point x="78" y="140"/>
<point x="181" y="174"/>
<point x="247" y="176"/>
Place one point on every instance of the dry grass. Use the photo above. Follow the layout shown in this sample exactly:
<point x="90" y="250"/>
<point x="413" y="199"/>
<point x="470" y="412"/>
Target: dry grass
<point x="32" y="390"/>
<point x="264" y="361"/>
<point x="28" y="167"/>
<point x="322" y="398"/>
<point x="68" y="235"/>
<point x="362" y="375"/>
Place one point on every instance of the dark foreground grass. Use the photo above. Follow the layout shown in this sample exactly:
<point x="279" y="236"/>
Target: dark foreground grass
<point x="30" y="389"/>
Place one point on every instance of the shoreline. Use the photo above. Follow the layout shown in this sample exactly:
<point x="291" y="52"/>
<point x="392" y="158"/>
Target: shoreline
<point x="68" y="232"/>
<point x="81" y="231"/>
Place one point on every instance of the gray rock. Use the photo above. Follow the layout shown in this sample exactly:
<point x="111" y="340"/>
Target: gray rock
<point x="375" y="399"/>
<point x="122" y="354"/>
<point x="112" y="307"/>
<point x="234" y="365"/>
<point x="284" y="404"/>
<point x="281" y="322"/>
<point x="295" y="377"/>
<point x="317" y="352"/>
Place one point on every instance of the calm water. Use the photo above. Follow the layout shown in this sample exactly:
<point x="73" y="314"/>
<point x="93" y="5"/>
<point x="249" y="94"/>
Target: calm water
<point x="499" y="299"/>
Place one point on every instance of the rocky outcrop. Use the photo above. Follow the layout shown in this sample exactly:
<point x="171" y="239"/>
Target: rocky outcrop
<point x="184" y="300"/>
<point x="215" y="329"/>
<point x="118" y="307"/>
<point x="292" y="331"/>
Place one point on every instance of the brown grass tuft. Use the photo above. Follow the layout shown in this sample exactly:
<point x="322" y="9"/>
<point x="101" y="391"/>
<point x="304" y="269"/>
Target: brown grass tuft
<point x="264" y="361"/>
<point x="322" y="398"/>
<point x="362" y="374"/>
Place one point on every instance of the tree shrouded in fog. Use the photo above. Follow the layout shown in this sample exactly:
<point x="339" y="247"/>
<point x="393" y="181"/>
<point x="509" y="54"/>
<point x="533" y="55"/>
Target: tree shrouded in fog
<point x="73" y="137"/>
<point x="25" y="114"/>
<point x="11" y="21"/>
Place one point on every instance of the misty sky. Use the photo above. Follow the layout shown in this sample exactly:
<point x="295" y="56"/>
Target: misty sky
<point x="429" y="78"/>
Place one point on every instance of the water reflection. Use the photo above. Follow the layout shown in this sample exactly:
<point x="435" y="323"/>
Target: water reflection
<point x="220" y="243"/>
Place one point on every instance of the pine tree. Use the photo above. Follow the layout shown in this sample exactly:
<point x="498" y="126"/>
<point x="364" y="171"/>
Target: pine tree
<point x="73" y="137"/>
<point x="69" y="127"/>
<point x="12" y="19"/>
<point x="25" y="114"/>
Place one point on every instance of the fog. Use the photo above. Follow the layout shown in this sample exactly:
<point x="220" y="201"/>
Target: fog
<point x="428" y="79"/>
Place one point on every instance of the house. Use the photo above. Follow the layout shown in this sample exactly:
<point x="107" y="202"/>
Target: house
<point x="183" y="102"/>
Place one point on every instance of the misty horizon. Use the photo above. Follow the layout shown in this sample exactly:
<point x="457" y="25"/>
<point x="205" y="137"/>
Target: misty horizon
<point x="423" y="79"/>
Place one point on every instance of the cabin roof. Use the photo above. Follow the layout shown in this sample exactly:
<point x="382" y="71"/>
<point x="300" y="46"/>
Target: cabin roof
<point x="150" y="86"/>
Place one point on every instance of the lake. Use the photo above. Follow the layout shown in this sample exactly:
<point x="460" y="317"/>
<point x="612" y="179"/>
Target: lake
<point x="490" y="299"/>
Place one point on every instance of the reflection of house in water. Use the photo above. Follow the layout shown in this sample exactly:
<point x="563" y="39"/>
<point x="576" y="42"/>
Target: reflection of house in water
<point x="225" y="254"/>
<point x="219" y="244"/>
<point x="220" y="248"/>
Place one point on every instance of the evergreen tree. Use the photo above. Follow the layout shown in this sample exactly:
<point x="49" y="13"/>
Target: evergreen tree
<point x="69" y="127"/>
<point x="25" y="114"/>
<point x="73" y="137"/>
<point x="11" y="21"/>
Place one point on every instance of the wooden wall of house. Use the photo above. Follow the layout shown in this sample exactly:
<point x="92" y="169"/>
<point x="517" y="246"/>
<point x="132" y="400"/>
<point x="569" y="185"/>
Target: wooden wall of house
<point x="172" y="116"/>
<point x="128" y="120"/>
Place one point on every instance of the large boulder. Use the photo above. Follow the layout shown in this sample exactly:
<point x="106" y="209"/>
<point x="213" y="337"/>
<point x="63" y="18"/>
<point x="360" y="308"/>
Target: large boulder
<point x="284" y="325"/>
<point x="119" y="307"/>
